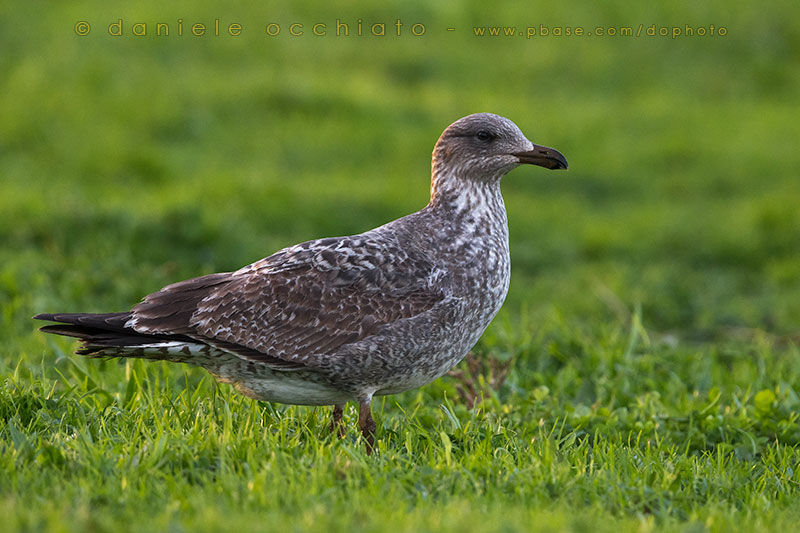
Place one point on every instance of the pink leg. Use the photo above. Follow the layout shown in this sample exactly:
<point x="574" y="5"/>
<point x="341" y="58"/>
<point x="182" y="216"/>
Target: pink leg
<point x="367" y="424"/>
<point x="337" y="426"/>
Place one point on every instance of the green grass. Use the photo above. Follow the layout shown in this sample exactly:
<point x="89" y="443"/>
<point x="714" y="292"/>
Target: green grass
<point x="652" y="324"/>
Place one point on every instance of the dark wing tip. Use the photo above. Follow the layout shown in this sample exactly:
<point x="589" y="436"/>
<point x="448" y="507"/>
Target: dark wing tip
<point x="67" y="330"/>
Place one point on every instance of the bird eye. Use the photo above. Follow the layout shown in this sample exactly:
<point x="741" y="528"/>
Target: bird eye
<point x="484" y="136"/>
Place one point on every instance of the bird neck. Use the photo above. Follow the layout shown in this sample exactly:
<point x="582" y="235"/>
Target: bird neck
<point x="468" y="225"/>
<point x="466" y="197"/>
<point x="474" y="217"/>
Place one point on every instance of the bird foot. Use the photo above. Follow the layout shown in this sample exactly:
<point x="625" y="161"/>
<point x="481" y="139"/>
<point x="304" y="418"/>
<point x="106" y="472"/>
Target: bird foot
<point x="367" y="425"/>
<point x="337" y="424"/>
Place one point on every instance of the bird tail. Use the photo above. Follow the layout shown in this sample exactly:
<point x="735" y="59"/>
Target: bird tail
<point x="107" y="335"/>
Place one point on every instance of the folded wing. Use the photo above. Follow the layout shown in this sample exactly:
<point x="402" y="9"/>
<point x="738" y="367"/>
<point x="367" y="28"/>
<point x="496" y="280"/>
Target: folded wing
<point x="307" y="300"/>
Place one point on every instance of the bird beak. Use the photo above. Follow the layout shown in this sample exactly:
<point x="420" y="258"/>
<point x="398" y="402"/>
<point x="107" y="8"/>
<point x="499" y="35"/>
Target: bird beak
<point x="544" y="157"/>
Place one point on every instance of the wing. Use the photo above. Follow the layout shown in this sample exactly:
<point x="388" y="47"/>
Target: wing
<point x="307" y="300"/>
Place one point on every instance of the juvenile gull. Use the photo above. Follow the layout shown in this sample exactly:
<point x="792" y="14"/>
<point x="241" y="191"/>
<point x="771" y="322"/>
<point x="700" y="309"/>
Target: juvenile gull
<point x="332" y="320"/>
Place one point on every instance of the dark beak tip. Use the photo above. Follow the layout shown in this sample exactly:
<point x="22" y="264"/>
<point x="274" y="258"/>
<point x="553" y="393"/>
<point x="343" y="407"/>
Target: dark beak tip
<point x="543" y="156"/>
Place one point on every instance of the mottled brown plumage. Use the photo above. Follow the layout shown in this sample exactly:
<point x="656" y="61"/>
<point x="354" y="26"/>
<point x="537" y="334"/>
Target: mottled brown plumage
<point x="346" y="318"/>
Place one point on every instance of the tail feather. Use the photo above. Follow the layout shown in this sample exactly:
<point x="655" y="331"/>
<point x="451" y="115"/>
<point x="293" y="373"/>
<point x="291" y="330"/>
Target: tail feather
<point x="105" y="334"/>
<point x="106" y="321"/>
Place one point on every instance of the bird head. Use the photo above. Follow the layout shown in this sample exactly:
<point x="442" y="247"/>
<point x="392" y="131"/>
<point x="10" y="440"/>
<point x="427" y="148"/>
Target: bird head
<point x="485" y="147"/>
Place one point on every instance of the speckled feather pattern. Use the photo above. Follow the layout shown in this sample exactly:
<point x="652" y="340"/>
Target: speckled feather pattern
<point x="335" y="319"/>
<point x="375" y="313"/>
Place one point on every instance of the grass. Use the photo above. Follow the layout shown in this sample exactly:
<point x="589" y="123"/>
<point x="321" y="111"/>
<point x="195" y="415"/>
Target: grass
<point x="651" y="327"/>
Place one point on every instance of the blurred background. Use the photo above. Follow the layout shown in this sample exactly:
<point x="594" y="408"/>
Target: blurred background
<point x="129" y="162"/>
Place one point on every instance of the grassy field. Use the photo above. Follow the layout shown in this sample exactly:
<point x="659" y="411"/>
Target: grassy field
<point x="650" y="334"/>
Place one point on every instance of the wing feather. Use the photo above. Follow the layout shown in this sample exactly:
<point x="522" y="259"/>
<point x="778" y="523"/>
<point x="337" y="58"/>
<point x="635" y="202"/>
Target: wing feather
<point x="307" y="300"/>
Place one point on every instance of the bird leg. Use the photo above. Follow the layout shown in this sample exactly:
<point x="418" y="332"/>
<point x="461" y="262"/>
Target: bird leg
<point x="337" y="426"/>
<point x="367" y="424"/>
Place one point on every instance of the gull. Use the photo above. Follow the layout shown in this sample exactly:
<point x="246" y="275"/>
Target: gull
<point x="343" y="319"/>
